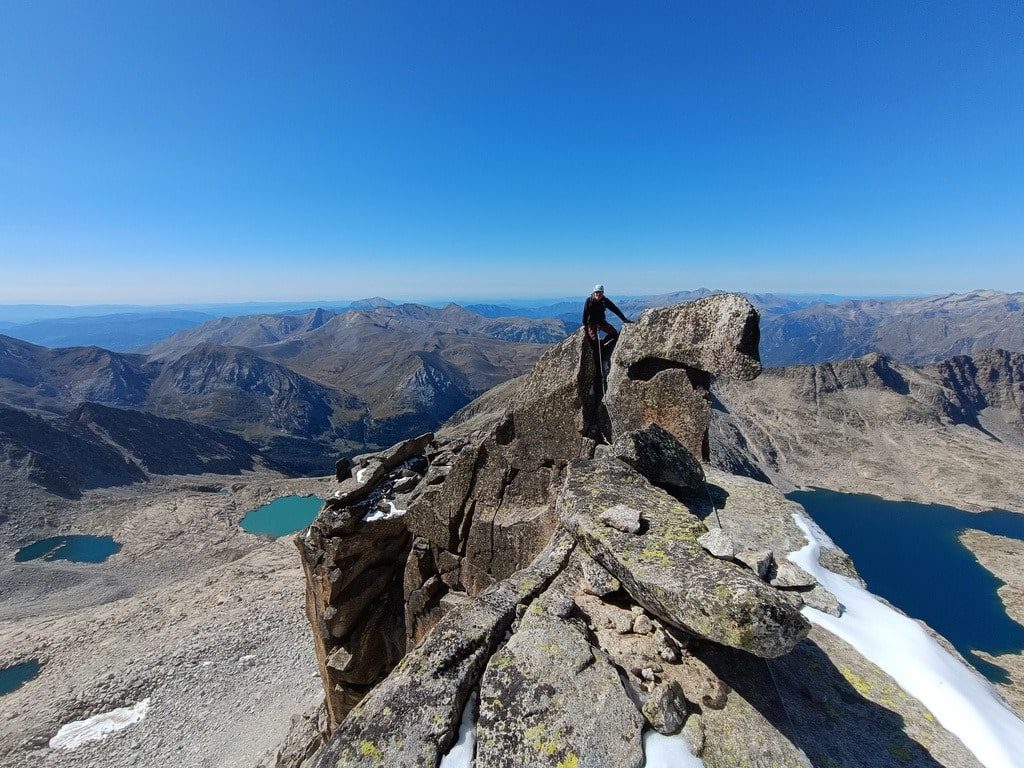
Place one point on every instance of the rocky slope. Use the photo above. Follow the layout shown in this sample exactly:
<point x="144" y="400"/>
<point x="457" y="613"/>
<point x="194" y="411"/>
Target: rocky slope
<point x="96" y="446"/>
<point x="566" y="573"/>
<point x="193" y="614"/>
<point x="947" y="431"/>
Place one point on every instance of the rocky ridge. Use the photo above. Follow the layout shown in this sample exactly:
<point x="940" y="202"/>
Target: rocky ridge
<point x="567" y="569"/>
<point x="931" y="433"/>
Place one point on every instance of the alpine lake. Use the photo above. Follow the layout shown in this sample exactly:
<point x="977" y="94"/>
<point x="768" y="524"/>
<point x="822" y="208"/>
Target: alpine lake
<point x="282" y="516"/>
<point x="910" y="555"/>
<point x="75" y="548"/>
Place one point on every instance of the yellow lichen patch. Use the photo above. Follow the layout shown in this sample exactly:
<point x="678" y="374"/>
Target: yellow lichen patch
<point x="572" y="761"/>
<point x="654" y="555"/>
<point x="862" y="686"/>
<point x="550" y="648"/>
<point x="499" y="661"/>
<point x="369" y="749"/>
<point x="535" y="734"/>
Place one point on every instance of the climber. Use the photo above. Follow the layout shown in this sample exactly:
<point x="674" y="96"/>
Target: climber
<point x="593" y="316"/>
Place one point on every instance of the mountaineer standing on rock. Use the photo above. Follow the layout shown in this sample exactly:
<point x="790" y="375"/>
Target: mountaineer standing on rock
<point x="593" y="315"/>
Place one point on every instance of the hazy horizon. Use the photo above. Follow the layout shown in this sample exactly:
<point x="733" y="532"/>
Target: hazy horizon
<point x="522" y="300"/>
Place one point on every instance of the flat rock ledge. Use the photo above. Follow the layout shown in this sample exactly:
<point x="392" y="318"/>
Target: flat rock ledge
<point x="665" y="569"/>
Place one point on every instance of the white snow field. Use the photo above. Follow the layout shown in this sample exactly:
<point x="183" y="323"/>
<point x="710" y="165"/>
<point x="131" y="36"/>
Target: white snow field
<point x="97" y="727"/>
<point x="668" y="751"/>
<point x="964" y="703"/>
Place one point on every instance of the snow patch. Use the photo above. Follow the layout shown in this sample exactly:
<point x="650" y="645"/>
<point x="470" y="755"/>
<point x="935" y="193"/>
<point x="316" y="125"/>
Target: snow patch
<point x="361" y="474"/>
<point x="97" y="727"/>
<point x="461" y="753"/>
<point x="380" y="514"/>
<point x="662" y="751"/>
<point x="965" y="704"/>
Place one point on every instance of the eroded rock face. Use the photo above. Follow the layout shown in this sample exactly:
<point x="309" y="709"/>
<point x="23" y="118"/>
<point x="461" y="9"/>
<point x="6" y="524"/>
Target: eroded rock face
<point x="661" y="369"/>
<point x="550" y="698"/>
<point x="411" y="718"/>
<point x="657" y="455"/>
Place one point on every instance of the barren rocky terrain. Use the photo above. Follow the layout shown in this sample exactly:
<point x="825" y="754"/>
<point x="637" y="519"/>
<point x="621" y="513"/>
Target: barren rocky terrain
<point x="194" y="614"/>
<point x="947" y="433"/>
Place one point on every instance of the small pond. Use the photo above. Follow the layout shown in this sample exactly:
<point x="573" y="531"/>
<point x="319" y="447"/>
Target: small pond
<point x="282" y="516"/>
<point x="75" y="548"/>
<point x="12" y="678"/>
<point x="909" y="554"/>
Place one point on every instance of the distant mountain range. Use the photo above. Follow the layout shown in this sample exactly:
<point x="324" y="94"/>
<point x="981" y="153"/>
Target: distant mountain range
<point x="796" y="328"/>
<point x="119" y="332"/>
<point x="916" y="330"/>
<point x="300" y="387"/>
<point x="297" y="389"/>
<point x="810" y="329"/>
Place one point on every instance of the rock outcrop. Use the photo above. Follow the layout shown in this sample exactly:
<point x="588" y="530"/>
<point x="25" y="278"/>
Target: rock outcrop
<point x="540" y="567"/>
<point x="661" y="370"/>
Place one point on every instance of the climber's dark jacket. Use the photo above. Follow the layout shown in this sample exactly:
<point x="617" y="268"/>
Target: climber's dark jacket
<point x="594" y="309"/>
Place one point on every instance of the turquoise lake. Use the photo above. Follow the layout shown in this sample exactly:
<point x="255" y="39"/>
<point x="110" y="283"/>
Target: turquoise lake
<point x="12" y="678"/>
<point x="910" y="555"/>
<point x="282" y="516"/>
<point x="75" y="548"/>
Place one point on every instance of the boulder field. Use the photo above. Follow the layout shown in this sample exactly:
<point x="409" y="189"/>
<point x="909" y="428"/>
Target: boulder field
<point x="571" y="572"/>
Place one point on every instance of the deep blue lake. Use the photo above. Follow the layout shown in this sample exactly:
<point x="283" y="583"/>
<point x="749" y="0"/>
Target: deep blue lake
<point x="12" y="678"/>
<point x="76" y="548"/>
<point x="910" y="555"/>
<point x="282" y="516"/>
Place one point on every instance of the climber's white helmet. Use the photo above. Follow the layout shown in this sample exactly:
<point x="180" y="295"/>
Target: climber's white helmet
<point x="598" y="288"/>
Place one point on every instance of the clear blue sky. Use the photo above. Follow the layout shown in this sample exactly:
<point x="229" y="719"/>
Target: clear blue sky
<point x="158" y="152"/>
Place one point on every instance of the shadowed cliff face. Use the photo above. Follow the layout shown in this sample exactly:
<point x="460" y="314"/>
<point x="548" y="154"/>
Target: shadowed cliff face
<point x="554" y="557"/>
<point x="96" y="446"/>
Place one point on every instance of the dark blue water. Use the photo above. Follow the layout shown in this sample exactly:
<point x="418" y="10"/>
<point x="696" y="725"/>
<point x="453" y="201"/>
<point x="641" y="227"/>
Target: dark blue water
<point x="910" y="555"/>
<point x="77" y="549"/>
<point x="282" y="516"/>
<point x="12" y="678"/>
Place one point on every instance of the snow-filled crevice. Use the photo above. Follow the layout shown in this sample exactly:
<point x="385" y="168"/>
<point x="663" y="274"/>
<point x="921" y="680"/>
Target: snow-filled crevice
<point x="965" y="704"/>
<point x="462" y="751"/>
<point x="662" y="751"/>
<point x="380" y="514"/>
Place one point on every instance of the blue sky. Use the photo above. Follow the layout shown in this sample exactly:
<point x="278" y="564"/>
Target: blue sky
<point x="223" y="151"/>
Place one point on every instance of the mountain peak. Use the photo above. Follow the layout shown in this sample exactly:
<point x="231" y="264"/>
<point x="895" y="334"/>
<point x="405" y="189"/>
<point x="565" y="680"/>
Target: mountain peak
<point x="374" y="302"/>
